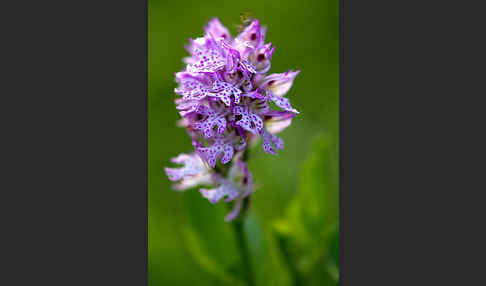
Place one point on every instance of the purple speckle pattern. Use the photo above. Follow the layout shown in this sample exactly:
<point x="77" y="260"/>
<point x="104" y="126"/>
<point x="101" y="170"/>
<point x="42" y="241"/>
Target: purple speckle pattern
<point x="207" y="58"/>
<point x="220" y="149"/>
<point x="249" y="121"/>
<point x="269" y="140"/>
<point x="224" y="95"/>
<point x="212" y="119"/>
<point x="224" y="91"/>
<point x="283" y="103"/>
<point x="247" y="67"/>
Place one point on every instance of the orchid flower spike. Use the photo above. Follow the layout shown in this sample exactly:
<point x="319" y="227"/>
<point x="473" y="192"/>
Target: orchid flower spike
<point x="225" y="94"/>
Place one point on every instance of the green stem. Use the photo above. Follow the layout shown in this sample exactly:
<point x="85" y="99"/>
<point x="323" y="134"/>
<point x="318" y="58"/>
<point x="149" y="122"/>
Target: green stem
<point x="238" y="226"/>
<point x="244" y="251"/>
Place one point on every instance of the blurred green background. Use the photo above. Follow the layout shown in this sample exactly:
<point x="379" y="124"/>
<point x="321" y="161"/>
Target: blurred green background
<point x="293" y="225"/>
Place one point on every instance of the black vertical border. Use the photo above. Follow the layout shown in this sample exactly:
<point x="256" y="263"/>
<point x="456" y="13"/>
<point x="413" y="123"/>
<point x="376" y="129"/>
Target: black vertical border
<point x="74" y="155"/>
<point x="146" y="141"/>
<point x="411" y="143"/>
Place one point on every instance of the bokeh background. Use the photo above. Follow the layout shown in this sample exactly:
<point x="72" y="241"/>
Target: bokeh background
<point x="293" y="225"/>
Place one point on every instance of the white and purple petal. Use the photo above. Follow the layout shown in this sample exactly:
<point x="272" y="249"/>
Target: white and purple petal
<point x="225" y="189"/>
<point x="232" y="57"/>
<point x="261" y="57"/>
<point x="252" y="35"/>
<point x="217" y="30"/>
<point x="193" y="181"/>
<point x="276" y="121"/>
<point x="192" y="86"/>
<point x="247" y="66"/>
<point x="192" y="166"/>
<point x="207" y="57"/>
<point x="279" y="84"/>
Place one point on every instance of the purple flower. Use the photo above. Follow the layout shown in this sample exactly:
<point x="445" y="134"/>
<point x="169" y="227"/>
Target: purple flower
<point x="212" y="117"/>
<point x="250" y="113"/>
<point x="251" y="38"/>
<point x="277" y="85"/>
<point x="225" y="95"/>
<point x="236" y="186"/>
<point x="220" y="149"/>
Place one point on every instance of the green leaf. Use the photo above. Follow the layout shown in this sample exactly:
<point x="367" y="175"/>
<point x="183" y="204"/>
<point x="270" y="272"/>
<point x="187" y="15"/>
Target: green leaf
<point x="268" y="266"/>
<point x="210" y="239"/>
<point x="311" y="221"/>
<point x="212" y="243"/>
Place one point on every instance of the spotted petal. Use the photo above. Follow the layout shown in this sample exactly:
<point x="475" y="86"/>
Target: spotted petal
<point x="250" y="121"/>
<point x="282" y="102"/>
<point x="248" y="67"/>
<point x="269" y="140"/>
<point x="208" y="124"/>
<point x="208" y="57"/>
<point x="192" y="86"/>
<point x="196" y="91"/>
<point x="215" y="151"/>
<point x="186" y="107"/>
<point x="225" y="90"/>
